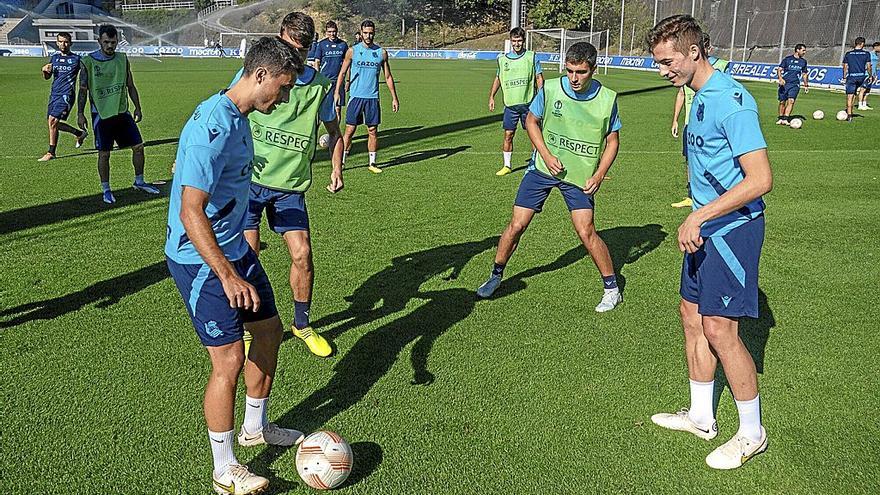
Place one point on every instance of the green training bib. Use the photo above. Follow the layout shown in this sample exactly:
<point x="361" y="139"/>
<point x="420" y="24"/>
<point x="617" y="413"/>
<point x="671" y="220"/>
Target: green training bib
<point x="517" y="76"/>
<point x="285" y="140"/>
<point x="575" y="131"/>
<point x="107" y="84"/>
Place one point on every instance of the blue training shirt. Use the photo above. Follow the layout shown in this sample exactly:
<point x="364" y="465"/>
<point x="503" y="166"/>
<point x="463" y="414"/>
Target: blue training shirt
<point x="366" y="62"/>
<point x="215" y="154"/>
<point x="65" y="68"/>
<point x="723" y="125"/>
<point x="331" y="54"/>
<point x="793" y="69"/>
<point x="537" y="105"/>
<point x="328" y="106"/>
<point x="875" y="63"/>
<point x="856" y="63"/>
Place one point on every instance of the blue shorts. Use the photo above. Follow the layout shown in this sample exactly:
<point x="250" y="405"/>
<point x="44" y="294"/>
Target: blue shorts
<point x="215" y="322"/>
<point x="789" y="91"/>
<point x="120" y="129"/>
<point x="854" y="83"/>
<point x="536" y="186"/>
<point x="363" y="111"/>
<point x="285" y="211"/>
<point x="722" y="277"/>
<point x="514" y="114"/>
<point x="60" y="106"/>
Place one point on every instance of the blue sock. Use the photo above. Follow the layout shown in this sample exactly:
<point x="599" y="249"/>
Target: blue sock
<point x="138" y="179"/>
<point x="105" y="186"/>
<point x="498" y="270"/>
<point x="610" y="282"/>
<point x="301" y="314"/>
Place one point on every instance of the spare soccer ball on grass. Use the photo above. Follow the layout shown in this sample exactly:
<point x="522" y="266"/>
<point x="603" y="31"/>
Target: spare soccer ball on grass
<point x="324" y="140"/>
<point x="796" y="123"/>
<point x="841" y="115"/>
<point x="324" y="460"/>
<point x="818" y="115"/>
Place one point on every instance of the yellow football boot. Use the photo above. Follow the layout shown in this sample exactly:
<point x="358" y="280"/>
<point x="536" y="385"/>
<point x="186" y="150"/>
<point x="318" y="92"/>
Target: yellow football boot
<point x="316" y="344"/>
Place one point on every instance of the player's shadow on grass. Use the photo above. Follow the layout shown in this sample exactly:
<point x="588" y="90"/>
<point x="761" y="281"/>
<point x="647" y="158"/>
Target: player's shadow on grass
<point x="418" y="156"/>
<point x="103" y="294"/>
<point x="153" y="142"/>
<point x="626" y="244"/>
<point x="413" y="134"/>
<point x="385" y="133"/>
<point x="68" y="209"/>
<point x="754" y="332"/>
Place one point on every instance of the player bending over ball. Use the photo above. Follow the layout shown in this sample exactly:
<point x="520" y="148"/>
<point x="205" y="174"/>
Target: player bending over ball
<point x="222" y="283"/>
<point x="721" y="238"/>
<point x="574" y="126"/>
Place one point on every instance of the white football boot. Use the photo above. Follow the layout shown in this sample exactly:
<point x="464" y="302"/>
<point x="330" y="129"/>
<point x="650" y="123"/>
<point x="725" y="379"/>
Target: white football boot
<point x="237" y="480"/>
<point x="681" y="421"/>
<point x="736" y="451"/>
<point x="610" y="299"/>
<point x="271" y="434"/>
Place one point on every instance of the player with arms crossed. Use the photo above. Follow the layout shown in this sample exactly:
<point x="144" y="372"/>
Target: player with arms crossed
<point x="64" y="65"/>
<point x="365" y="60"/>
<point x="519" y="77"/>
<point x="329" y="54"/>
<point x="284" y="147"/>
<point x="107" y="81"/>
<point x="219" y="277"/>
<point x="721" y="239"/>
<point x="683" y="99"/>
<point x="856" y="70"/>
<point x="789" y="74"/>
<point x="574" y="126"/>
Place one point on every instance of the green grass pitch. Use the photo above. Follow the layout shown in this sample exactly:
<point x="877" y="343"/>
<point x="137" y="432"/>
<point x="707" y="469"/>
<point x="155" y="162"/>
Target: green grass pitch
<point x="530" y="392"/>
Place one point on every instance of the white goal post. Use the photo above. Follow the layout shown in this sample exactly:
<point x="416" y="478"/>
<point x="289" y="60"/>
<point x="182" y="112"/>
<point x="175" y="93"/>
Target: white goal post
<point x="557" y="40"/>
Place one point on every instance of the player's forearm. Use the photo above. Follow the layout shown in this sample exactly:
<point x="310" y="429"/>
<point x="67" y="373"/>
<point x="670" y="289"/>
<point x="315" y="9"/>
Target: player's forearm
<point x="612" y="146"/>
<point x="81" y="102"/>
<point x="198" y="229"/>
<point x="539" y="81"/>
<point x="496" y="84"/>
<point x="757" y="182"/>
<point x="679" y="104"/>
<point x="135" y="97"/>
<point x="533" y="128"/>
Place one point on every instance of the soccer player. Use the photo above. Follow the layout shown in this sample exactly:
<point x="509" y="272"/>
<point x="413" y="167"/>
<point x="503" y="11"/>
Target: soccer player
<point x="856" y="69"/>
<point x="329" y="54"/>
<point x="789" y="74"/>
<point x="365" y="60"/>
<point x="107" y="81"/>
<point x="284" y="147"/>
<point x="223" y="285"/>
<point x="721" y="239"/>
<point x="519" y="77"/>
<point x="683" y="98"/>
<point x="574" y="127"/>
<point x="64" y="65"/>
<point x="875" y="65"/>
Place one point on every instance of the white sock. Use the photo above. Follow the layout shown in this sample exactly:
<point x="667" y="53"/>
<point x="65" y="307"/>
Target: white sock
<point x="344" y="155"/>
<point x="372" y="158"/>
<point x="700" y="411"/>
<point x="507" y="155"/>
<point x="105" y="186"/>
<point x="221" y="447"/>
<point x="255" y="417"/>
<point x="749" y="418"/>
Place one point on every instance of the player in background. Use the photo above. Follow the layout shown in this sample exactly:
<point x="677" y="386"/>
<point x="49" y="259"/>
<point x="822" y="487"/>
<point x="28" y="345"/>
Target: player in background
<point x="519" y="76"/>
<point x="106" y="79"/>
<point x="789" y="74"/>
<point x="329" y="54"/>
<point x="220" y="279"/>
<point x="721" y="239"/>
<point x="875" y="77"/>
<point x="365" y="60"/>
<point x="856" y="68"/>
<point x="64" y="65"/>
<point x="284" y="148"/>
<point x="574" y="127"/>
<point x="683" y="99"/>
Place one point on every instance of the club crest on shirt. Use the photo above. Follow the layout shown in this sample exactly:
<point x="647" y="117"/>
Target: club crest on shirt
<point x="738" y="97"/>
<point x="701" y="110"/>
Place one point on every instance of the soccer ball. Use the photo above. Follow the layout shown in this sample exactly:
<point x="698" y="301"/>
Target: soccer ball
<point x="324" y="460"/>
<point x="324" y="140"/>
<point x="841" y="115"/>
<point x="796" y="123"/>
<point x="818" y="115"/>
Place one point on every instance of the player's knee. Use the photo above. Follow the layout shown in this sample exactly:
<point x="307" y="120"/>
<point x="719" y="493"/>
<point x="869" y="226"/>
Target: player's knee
<point x="721" y="337"/>
<point x="372" y="131"/>
<point x="691" y="321"/>
<point x="516" y="227"/>
<point x="228" y="365"/>
<point x="302" y="257"/>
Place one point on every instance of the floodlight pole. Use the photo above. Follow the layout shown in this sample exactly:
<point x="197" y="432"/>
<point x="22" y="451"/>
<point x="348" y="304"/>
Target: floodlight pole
<point x="592" y="14"/>
<point x="845" y="29"/>
<point x="733" y="30"/>
<point x="746" y="40"/>
<point x="515" y="9"/>
<point x="655" y="12"/>
<point x="693" y="7"/>
<point x="784" y="25"/>
<point x="620" y="36"/>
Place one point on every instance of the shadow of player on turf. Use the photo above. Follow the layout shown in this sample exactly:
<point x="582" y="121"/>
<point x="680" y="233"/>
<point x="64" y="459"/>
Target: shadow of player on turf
<point x="418" y="156"/>
<point x="103" y="294"/>
<point x="754" y="332"/>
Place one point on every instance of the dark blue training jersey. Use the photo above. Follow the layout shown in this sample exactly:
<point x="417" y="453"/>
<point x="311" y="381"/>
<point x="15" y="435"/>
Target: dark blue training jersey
<point x="792" y="69"/>
<point x="331" y="54"/>
<point x="65" y="68"/>
<point x="857" y="62"/>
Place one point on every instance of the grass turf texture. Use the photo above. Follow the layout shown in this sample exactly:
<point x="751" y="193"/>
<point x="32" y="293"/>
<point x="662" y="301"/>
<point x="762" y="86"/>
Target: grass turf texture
<point x="438" y="393"/>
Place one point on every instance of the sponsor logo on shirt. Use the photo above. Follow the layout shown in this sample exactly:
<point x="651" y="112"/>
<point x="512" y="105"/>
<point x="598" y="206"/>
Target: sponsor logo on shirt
<point x="574" y="146"/>
<point x="281" y="139"/>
